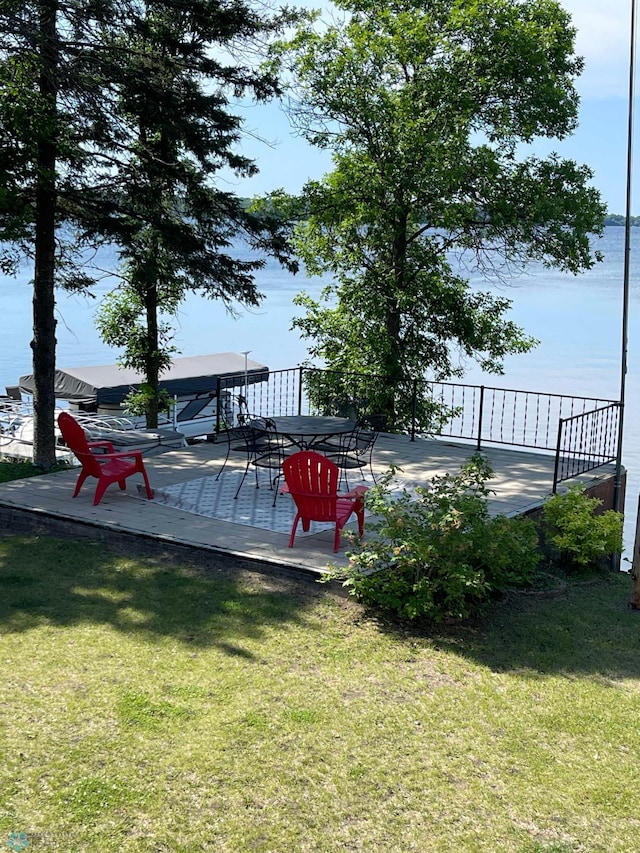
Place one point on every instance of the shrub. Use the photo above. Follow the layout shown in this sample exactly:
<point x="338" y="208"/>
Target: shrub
<point x="581" y="537"/>
<point x="136" y="401"/>
<point x="437" y="553"/>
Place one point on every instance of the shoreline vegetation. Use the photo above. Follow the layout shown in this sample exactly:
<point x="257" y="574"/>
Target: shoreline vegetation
<point x="610" y="219"/>
<point x="620" y="219"/>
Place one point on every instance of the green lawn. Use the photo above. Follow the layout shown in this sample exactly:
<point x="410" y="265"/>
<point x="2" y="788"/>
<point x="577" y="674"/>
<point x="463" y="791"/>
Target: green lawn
<point x="14" y="469"/>
<point x="152" y="706"/>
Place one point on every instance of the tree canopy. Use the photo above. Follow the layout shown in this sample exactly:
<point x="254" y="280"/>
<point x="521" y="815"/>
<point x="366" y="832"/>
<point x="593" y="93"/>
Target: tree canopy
<point x="178" y="68"/>
<point x="114" y="116"/>
<point x="425" y="105"/>
<point x="51" y="125"/>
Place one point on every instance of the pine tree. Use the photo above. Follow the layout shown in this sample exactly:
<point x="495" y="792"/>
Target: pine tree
<point x="50" y="87"/>
<point x="114" y="115"/>
<point x="175" y="229"/>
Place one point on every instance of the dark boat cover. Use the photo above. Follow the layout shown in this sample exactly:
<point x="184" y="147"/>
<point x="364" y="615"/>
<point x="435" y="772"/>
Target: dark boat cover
<point x="188" y="376"/>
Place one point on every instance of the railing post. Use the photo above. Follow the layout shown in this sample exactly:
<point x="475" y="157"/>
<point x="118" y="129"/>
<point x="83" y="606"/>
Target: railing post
<point x="557" y="463"/>
<point x="217" y="404"/>
<point x="480" y="413"/>
<point x="618" y="492"/>
<point x="300" y="370"/>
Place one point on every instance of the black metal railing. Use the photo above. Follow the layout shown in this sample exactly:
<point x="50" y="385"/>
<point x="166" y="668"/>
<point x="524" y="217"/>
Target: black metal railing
<point x="282" y="393"/>
<point x="508" y="416"/>
<point x="581" y="431"/>
<point x="585" y="442"/>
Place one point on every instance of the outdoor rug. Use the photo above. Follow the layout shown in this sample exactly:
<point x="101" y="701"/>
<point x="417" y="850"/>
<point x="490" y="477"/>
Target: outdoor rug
<point x="213" y="498"/>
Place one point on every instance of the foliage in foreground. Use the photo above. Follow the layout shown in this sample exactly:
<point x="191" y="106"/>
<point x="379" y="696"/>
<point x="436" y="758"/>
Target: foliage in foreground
<point x="579" y="535"/>
<point x="437" y="554"/>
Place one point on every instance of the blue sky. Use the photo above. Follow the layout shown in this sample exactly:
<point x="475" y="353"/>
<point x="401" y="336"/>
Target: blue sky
<point x="601" y="140"/>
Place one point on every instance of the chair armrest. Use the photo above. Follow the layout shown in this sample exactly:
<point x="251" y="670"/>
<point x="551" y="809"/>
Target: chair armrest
<point x="105" y="446"/>
<point x="121" y="454"/>
<point x="358" y="492"/>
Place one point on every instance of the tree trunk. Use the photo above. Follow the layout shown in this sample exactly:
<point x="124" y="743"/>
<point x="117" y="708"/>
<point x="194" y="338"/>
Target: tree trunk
<point x="43" y="344"/>
<point x="393" y="368"/>
<point x="152" y="372"/>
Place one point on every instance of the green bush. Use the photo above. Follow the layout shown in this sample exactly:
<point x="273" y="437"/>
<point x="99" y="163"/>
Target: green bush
<point x="136" y="401"/>
<point x="581" y="537"/>
<point x="437" y="554"/>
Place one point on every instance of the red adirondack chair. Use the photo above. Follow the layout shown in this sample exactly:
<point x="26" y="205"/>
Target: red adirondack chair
<point x="106" y="465"/>
<point x="312" y="481"/>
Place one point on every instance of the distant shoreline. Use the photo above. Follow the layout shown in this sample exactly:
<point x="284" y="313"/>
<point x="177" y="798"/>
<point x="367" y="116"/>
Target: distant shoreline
<point x="619" y="219"/>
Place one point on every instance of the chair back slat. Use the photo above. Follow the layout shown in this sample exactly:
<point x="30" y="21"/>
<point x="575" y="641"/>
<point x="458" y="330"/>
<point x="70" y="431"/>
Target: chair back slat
<point x="312" y="480"/>
<point x="76" y="440"/>
<point x="107" y="467"/>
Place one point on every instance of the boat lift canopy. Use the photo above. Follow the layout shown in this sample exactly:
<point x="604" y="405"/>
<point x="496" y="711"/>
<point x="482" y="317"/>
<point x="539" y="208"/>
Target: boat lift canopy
<point x="109" y="384"/>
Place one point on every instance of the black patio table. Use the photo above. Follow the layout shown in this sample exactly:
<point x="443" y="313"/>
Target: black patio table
<point x="307" y="430"/>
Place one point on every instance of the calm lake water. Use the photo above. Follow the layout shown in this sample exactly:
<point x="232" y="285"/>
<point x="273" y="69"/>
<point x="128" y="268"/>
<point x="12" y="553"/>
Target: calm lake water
<point x="578" y="321"/>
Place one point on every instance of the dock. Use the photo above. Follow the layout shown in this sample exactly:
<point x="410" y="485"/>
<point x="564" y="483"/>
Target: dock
<point x="44" y="504"/>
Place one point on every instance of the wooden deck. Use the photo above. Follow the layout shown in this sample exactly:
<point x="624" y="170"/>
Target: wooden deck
<point x="522" y="481"/>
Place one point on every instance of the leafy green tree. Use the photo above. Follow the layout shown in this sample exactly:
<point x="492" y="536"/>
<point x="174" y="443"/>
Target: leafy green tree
<point x="179" y="66"/>
<point x="105" y="128"/>
<point x="425" y="105"/>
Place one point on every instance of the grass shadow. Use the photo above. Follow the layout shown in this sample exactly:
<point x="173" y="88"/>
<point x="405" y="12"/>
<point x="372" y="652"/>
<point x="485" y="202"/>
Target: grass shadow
<point x="60" y="582"/>
<point x="589" y="631"/>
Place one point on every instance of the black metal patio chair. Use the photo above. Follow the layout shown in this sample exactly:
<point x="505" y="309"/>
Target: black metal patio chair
<point x="352" y="452"/>
<point x="234" y="436"/>
<point x="264" y="448"/>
